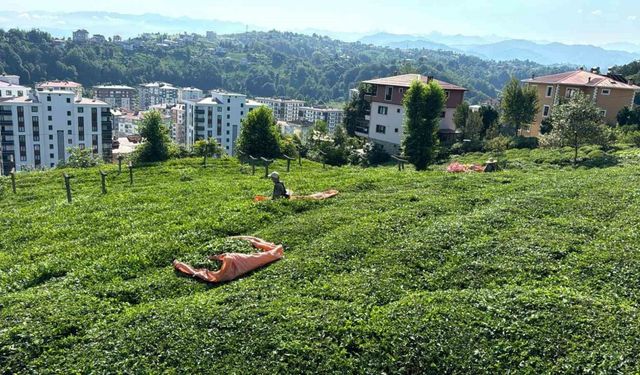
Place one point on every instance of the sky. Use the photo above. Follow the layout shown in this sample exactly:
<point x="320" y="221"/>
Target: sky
<point x="576" y="22"/>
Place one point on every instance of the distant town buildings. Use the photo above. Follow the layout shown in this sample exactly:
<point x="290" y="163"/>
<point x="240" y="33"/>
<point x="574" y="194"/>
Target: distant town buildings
<point x="74" y="87"/>
<point x="117" y="96"/>
<point x="10" y="87"/>
<point x="155" y="93"/>
<point x="609" y="92"/>
<point x="384" y="124"/>
<point x="332" y="116"/>
<point x="283" y="109"/>
<point x="36" y="131"/>
<point x="190" y="94"/>
<point x="126" y="123"/>
<point x="81" y="36"/>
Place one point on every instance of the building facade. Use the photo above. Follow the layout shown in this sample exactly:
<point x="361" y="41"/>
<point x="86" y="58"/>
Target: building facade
<point x="156" y="93"/>
<point x="37" y="131"/>
<point x="609" y="92"/>
<point x="190" y="94"/>
<point x="8" y="90"/>
<point x="117" y="96"/>
<point x="74" y="87"/>
<point x="384" y="124"/>
<point x="218" y="117"/>
<point x="332" y="116"/>
<point x="80" y="35"/>
<point x="283" y="109"/>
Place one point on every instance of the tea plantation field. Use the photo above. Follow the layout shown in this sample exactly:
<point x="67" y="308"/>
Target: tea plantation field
<point x="535" y="269"/>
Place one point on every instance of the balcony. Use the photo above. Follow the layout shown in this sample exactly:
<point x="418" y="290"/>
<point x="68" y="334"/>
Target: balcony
<point x="6" y="123"/>
<point x="5" y="112"/>
<point x="7" y="132"/>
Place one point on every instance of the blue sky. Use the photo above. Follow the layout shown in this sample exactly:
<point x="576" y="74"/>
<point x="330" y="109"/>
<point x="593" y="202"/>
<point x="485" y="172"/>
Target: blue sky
<point x="577" y="21"/>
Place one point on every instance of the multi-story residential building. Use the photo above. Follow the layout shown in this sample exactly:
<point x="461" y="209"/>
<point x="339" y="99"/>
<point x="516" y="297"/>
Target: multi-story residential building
<point x="97" y="38"/>
<point x="75" y="87"/>
<point x="8" y="90"/>
<point x="190" y="93"/>
<point x="155" y="93"/>
<point x="283" y="109"/>
<point x="609" y="92"/>
<point x="384" y="124"/>
<point x="81" y="35"/>
<point x="177" y="118"/>
<point x="36" y="131"/>
<point x="117" y="96"/>
<point x="126" y="123"/>
<point x="218" y="117"/>
<point x="8" y="78"/>
<point x="332" y="116"/>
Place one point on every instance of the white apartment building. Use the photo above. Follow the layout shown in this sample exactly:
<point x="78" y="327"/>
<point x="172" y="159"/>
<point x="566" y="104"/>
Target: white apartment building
<point x="8" y="90"/>
<point x="8" y="78"/>
<point x="332" y="116"/>
<point x="75" y="87"/>
<point x="218" y="117"/>
<point x="283" y="109"/>
<point x="155" y="93"/>
<point x="190" y="94"/>
<point x="126" y="123"/>
<point x="36" y="131"/>
<point x="117" y="96"/>
<point x="178" y="118"/>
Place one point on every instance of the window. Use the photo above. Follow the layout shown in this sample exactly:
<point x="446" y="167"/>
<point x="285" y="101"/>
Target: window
<point x="51" y="156"/>
<point x="68" y="113"/>
<point x="69" y="132"/>
<point x="228" y="117"/>
<point x="570" y="93"/>
<point x="443" y="114"/>
<point x="381" y="129"/>
<point x="549" y="91"/>
<point x="81" y="146"/>
<point x="401" y="90"/>
<point x="68" y="100"/>
<point x="228" y="100"/>
<point x="399" y="110"/>
<point x="603" y="113"/>
<point x="50" y="137"/>
<point x="219" y="109"/>
<point x="49" y="108"/>
<point x="241" y="105"/>
<point x="34" y="109"/>
<point x="49" y="99"/>
<point x="69" y="122"/>
<point x="50" y="118"/>
<point x="241" y="113"/>
<point x="20" y="93"/>
<point x="396" y="130"/>
<point x="51" y="147"/>
<point x="545" y="111"/>
<point x="228" y="108"/>
<point x="23" y="148"/>
<point x="80" y="110"/>
<point x="382" y="110"/>
<point x="50" y="127"/>
<point x="388" y="93"/>
<point x="606" y="92"/>
<point x="447" y="94"/>
<point x="8" y="93"/>
<point x="70" y="141"/>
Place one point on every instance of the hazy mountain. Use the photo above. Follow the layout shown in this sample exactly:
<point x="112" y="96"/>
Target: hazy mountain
<point x="629" y="47"/>
<point x="445" y="41"/>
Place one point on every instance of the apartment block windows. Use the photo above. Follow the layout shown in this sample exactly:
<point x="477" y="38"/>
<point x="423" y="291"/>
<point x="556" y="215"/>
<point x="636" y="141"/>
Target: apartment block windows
<point x="23" y="147"/>
<point x="48" y="98"/>
<point x="35" y="122"/>
<point x="94" y="143"/>
<point x="80" y="110"/>
<point x="545" y="111"/>
<point x="36" y="155"/>
<point x="94" y="119"/>
<point x="68" y="100"/>
<point x="21" y="119"/>
<point x="549" y="91"/>
<point x="606" y="92"/>
<point x="570" y="93"/>
<point x="382" y="110"/>
<point x="388" y="93"/>
<point x="34" y="109"/>
<point x="381" y="129"/>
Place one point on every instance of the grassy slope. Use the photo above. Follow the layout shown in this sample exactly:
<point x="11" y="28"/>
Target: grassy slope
<point x="523" y="270"/>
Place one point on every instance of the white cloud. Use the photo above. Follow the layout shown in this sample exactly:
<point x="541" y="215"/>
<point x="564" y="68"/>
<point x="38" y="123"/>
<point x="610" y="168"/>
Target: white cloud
<point x="597" y="12"/>
<point x="632" y="18"/>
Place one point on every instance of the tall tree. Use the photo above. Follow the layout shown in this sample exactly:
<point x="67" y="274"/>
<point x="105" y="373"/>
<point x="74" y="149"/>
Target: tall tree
<point x="578" y="122"/>
<point x="423" y="104"/>
<point x="156" y="139"/>
<point x="259" y="136"/>
<point x="473" y="128"/>
<point x="489" y="119"/>
<point x="356" y="109"/>
<point x="519" y="105"/>
<point x="461" y="115"/>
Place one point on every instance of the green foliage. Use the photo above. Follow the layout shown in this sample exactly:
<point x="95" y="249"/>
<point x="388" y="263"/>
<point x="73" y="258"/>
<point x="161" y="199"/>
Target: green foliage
<point x="156" y="141"/>
<point x="490" y="117"/>
<point x="289" y="145"/>
<point x="519" y="105"/>
<point x="375" y="155"/>
<point x="499" y="144"/>
<point x="461" y="115"/>
<point x="546" y="126"/>
<point x="259" y="136"/>
<point x="525" y="142"/>
<point x="473" y="127"/>
<point x="530" y="270"/>
<point x="356" y="110"/>
<point x="423" y="104"/>
<point x="314" y="68"/>
<point x="211" y="148"/>
<point x="627" y="116"/>
<point x="80" y="158"/>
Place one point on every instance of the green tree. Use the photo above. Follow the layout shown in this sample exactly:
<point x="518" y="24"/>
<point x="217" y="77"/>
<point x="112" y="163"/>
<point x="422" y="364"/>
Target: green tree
<point x="259" y="136"/>
<point x="461" y="115"/>
<point x="156" y="139"/>
<point x="578" y="122"/>
<point x="211" y="148"/>
<point x="81" y="158"/>
<point x="519" y="105"/>
<point x="423" y="104"/>
<point x="490" y="118"/>
<point x="473" y="128"/>
<point x="356" y="109"/>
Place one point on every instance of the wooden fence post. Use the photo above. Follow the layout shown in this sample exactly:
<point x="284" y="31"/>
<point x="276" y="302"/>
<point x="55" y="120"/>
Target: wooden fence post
<point x="103" y="176"/>
<point x="267" y="162"/>
<point x="130" y="173"/>
<point x="13" y="180"/>
<point x="401" y="162"/>
<point x="120" y="157"/>
<point x="324" y="159"/>
<point x="67" y="186"/>
<point x="288" y="162"/>
<point x="253" y="162"/>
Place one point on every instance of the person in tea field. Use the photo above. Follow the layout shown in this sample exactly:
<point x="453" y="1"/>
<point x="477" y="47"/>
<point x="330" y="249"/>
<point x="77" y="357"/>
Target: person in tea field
<point x="279" y="190"/>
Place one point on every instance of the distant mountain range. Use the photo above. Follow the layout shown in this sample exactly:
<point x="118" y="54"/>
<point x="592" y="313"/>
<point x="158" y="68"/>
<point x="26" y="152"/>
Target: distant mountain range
<point x="514" y="49"/>
<point x="488" y="47"/>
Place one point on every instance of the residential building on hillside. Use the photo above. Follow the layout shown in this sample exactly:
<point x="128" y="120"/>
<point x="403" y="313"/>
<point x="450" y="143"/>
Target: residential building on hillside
<point x="283" y="109"/>
<point x="332" y="116"/>
<point x="117" y="96"/>
<point x="384" y="124"/>
<point x="8" y="78"/>
<point x="155" y="93"/>
<point x="177" y="117"/>
<point x="609" y="92"/>
<point x="97" y="38"/>
<point x="218" y="117"/>
<point x="190" y="94"/>
<point x="81" y="35"/>
<point x="8" y="90"/>
<point x="36" y="131"/>
<point x="126" y="123"/>
<point x="75" y="87"/>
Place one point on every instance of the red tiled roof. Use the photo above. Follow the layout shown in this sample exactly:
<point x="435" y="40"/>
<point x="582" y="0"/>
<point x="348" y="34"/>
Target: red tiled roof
<point x="68" y="84"/>
<point x="582" y="78"/>
<point x="405" y="80"/>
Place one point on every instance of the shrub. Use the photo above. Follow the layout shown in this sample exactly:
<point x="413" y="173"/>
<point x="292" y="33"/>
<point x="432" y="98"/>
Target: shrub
<point x="498" y="144"/>
<point x="632" y="137"/>
<point x="80" y="158"/>
<point x="375" y="154"/>
<point x="526" y="142"/>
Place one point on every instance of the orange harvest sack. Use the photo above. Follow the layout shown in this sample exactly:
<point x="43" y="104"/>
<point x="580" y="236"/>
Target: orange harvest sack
<point x="235" y="265"/>
<point x="317" y="196"/>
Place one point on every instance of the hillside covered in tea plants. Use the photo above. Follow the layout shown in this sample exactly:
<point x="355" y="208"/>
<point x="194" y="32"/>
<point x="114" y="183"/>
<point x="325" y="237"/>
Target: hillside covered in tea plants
<point x="534" y="269"/>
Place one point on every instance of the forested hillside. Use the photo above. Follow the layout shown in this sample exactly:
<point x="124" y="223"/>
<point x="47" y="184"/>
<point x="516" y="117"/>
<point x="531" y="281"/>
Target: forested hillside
<point x="630" y="71"/>
<point x="314" y="68"/>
